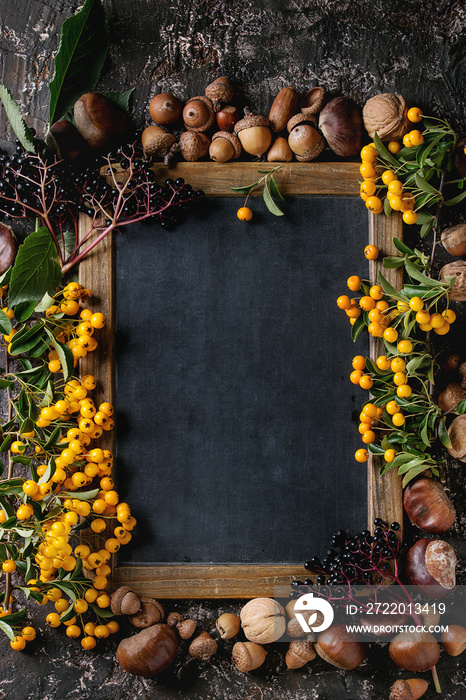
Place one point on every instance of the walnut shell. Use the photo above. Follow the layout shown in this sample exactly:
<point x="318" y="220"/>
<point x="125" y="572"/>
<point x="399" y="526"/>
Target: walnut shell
<point x="386" y="114"/>
<point x="456" y="269"/>
<point x="457" y="435"/>
<point x="263" y="620"/>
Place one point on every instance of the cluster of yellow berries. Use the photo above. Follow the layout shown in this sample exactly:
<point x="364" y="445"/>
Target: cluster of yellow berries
<point x="375" y="182"/>
<point x="369" y="418"/>
<point x="381" y="314"/>
<point x="70" y="462"/>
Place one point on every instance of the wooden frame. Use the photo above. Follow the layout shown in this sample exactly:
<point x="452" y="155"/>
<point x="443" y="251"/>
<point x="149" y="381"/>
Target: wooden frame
<point x="96" y="272"/>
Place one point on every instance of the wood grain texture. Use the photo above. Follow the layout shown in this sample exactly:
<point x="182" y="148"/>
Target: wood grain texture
<point x="96" y="272"/>
<point x="208" y="581"/>
<point x="293" y="179"/>
<point x="386" y="500"/>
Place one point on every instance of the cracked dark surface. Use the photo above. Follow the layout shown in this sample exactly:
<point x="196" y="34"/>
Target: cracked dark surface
<point x="356" y="48"/>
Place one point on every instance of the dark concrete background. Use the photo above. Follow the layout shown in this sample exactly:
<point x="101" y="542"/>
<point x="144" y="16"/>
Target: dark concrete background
<point x="356" y="48"/>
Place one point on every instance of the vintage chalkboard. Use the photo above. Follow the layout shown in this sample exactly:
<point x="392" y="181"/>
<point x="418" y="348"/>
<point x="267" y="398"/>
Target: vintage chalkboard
<point x="236" y="423"/>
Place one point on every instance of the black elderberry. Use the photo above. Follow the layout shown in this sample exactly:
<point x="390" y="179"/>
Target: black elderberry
<point x="395" y="526"/>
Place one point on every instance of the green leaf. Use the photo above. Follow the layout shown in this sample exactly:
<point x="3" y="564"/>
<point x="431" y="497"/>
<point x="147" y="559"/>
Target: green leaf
<point x="26" y="339"/>
<point x="443" y="435"/>
<point x="243" y="190"/>
<point x="45" y="303"/>
<point x="455" y="200"/>
<point x="376" y="449"/>
<point x="101" y="612"/>
<point x="270" y="202"/>
<point x="36" y="269"/>
<point x="384" y="153"/>
<point x="80" y="58"/>
<point x="410" y="465"/>
<point x="414" y="472"/>
<point x="426" y="187"/>
<point x="6" y="383"/>
<point x="7" y="629"/>
<point x="81" y="495"/>
<point x="49" y="472"/>
<point x="356" y="328"/>
<point x="388" y="289"/>
<point x="5" y="323"/>
<point x="64" y="355"/>
<point x="461" y="407"/>
<point x="402" y="247"/>
<point x="415" y="274"/>
<point x="119" y="98"/>
<point x="425" y="431"/>
<point x="274" y="189"/>
<point x="423" y="217"/>
<point x="24" y="310"/>
<point x="16" y="120"/>
<point x="393" y="263"/>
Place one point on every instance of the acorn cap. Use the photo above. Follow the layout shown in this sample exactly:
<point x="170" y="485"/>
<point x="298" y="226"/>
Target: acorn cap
<point x="156" y="142"/>
<point x="192" y="145"/>
<point x="131" y="603"/>
<point x="220" y="92"/>
<point x="234" y="140"/>
<point x="250" y="120"/>
<point x="313" y="101"/>
<point x="299" y="119"/>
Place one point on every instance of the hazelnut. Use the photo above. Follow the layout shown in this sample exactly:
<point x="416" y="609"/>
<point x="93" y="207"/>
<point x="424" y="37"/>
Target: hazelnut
<point x="228" y="625"/>
<point x="227" y="118"/>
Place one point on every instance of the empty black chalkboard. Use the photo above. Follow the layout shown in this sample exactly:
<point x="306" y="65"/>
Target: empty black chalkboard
<point x="234" y="440"/>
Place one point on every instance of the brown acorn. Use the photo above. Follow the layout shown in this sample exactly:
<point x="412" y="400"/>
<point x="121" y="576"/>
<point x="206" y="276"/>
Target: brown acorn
<point x="283" y="108"/>
<point x="224" y="147"/>
<point x="254" y="133"/>
<point x="198" y="114"/>
<point x="165" y="109"/>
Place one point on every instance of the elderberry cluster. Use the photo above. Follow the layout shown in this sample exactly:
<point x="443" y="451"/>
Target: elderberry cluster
<point x="41" y="186"/>
<point x="355" y="559"/>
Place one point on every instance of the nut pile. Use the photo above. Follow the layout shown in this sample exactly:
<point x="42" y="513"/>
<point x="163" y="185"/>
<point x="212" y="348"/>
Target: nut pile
<point x="213" y="126"/>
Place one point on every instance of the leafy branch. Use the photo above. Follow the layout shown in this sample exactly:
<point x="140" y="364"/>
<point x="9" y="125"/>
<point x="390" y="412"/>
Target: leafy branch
<point x="270" y="191"/>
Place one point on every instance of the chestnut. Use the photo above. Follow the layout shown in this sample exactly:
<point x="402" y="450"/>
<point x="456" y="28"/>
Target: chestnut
<point x="8" y="247"/>
<point x="148" y="652"/>
<point x="428" y="506"/>
<point x="340" y="648"/>
<point x="414" y="651"/>
<point x="454" y="240"/>
<point x="227" y="118"/>
<point x="99" y="120"/>
<point x="430" y="564"/>
<point x="68" y="140"/>
<point x="340" y="122"/>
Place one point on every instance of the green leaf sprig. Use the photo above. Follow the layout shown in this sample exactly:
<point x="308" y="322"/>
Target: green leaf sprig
<point x="271" y="193"/>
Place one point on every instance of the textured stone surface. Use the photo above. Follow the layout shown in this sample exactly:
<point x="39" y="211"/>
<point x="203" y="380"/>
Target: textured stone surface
<point x="356" y="48"/>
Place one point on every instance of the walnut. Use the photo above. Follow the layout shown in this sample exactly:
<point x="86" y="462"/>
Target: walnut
<point x="386" y="114"/>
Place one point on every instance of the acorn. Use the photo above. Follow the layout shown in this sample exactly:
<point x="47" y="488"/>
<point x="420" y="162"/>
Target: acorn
<point x="299" y="653"/>
<point x="156" y="142"/>
<point x="203" y="647"/>
<point x="224" y="147"/>
<point x="220" y="92"/>
<point x="165" y="109"/>
<point x="228" y="625"/>
<point x="457" y="435"/>
<point x="198" y="114"/>
<point x="411" y="689"/>
<point x="254" y="133"/>
<point x="247" y="656"/>
<point x="283" y="108"/>
<point x="454" y="641"/>
<point x="280" y="151"/>
<point x="193" y="145"/>
<point x="150" y="613"/>
<point x="305" y="140"/>
<point x="124" y="601"/>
